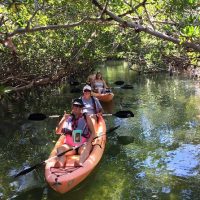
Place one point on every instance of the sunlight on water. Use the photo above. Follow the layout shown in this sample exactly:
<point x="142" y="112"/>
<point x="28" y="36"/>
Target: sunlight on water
<point x="184" y="161"/>
<point x="153" y="155"/>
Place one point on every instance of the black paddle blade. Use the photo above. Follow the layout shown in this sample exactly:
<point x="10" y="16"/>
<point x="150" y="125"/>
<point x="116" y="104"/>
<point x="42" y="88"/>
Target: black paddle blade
<point x="75" y="90"/>
<point x="119" y="82"/>
<point x="124" y="114"/>
<point x="74" y="83"/>
<point x="37" y="117"/>
<point x="127" y="86"/>
<point x="26" y="171"/>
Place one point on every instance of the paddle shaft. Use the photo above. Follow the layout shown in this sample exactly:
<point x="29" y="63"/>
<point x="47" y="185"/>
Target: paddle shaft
<point x="121" y="114"/>
<point x="40" y="116"/>
<point x="23" y="172"/>
<point x="120" y="82"/>
<point x="44" y="162"/>
<point x="107" y="114"/>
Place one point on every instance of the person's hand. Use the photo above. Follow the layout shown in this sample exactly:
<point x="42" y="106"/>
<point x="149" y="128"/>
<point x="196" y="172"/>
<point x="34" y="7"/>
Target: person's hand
<point x="99" y="114"/>
<point x="65" y="116"/>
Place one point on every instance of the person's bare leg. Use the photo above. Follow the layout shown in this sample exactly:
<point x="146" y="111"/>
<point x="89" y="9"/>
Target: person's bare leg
<point x="62" y="159"/>
<point x="84" y="152"/>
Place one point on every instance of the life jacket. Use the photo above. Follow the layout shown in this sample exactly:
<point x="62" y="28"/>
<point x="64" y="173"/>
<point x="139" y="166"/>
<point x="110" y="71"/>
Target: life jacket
<point x="74" y="125"/>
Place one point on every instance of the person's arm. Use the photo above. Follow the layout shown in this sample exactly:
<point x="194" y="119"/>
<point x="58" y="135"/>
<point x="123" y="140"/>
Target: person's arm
<point x="92" y="85"/>
<point x="60" y="125"/>
<point x="91" y="128"/>
<point x="99" y="107"/>
<point x="90" y="79"/>
<point x="104" y="84"/>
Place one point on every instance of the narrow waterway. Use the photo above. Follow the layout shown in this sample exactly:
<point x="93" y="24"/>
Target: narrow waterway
<point x="154" y="155"/>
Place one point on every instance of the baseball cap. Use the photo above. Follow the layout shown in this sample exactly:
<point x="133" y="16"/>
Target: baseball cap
<point x="87" y="87"/>
<point x="78" y="102"/>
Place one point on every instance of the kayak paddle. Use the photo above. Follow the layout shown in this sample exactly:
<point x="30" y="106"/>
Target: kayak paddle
<point x="76" y="90"/>
<point x="41" y="116"/>
<point x="75" y="83"/>
<point x="121" y="114"/>
<point x="119" y="82"/>
<point x="126" y="86"/>
<point x="26" y="171"/>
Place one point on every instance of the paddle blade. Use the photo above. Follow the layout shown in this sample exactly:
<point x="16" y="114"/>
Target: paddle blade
<point x="127" y="86"/>
<point x="119" y="82"/>
<point x="75" y="90"/>
<point x="37" y="117"/>
<point x="74" y="83"/>
<point x="124" y="114"/>
<point x="26" y="171"/>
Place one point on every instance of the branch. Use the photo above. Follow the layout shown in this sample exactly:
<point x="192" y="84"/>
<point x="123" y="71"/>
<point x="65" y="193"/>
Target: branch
<point x="148" y="30"/>
<point x="148" y="17"/>
<point x="134" y="8"/>
<point x="85" y="46"/>
<point x="45" y="28"/>
<point x="35" y="12"/>
<point x="105" y="7"/>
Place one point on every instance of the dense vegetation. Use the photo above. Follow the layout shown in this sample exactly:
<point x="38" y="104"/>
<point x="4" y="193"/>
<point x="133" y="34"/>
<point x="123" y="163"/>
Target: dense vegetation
<point x="43" y="41"/>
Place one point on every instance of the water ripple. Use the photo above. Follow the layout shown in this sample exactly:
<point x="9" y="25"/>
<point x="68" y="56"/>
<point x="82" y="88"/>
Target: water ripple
<point x="184" y="161"/>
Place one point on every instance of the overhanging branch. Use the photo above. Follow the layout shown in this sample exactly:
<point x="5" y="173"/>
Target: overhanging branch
<point x="148" y="30"/>
<point x="45" y="28"/>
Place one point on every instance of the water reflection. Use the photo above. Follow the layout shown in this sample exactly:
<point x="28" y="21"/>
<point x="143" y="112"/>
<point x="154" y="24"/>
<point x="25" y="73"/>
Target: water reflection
<point x="154" y="155"/>
<point x="184" y="161"/>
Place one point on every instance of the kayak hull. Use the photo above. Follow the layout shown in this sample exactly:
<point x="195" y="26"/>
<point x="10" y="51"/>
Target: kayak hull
<point x="103" y="97"/>
<point x="64" y="179"/>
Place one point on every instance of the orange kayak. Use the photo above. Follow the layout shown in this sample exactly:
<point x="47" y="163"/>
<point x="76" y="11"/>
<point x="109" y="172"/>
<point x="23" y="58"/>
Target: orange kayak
<point x="64" y="179"/>
<point x="103" y="97"/>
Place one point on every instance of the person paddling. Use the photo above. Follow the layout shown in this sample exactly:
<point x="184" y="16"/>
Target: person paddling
<point x="78" y="129"/>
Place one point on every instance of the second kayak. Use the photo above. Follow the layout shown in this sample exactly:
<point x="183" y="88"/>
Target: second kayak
<point x="106" y="97"/>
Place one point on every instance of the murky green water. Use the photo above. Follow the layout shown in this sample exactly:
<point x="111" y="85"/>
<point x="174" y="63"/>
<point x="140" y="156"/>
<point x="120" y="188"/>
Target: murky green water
<point x="154" y="155"/>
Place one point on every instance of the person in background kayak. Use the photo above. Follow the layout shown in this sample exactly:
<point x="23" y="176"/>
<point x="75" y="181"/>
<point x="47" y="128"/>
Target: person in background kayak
<point x="92" y="106"/>
<point x="78" y="129"/>
<point x="90" y="79"/>
<point x="98" y="84"/>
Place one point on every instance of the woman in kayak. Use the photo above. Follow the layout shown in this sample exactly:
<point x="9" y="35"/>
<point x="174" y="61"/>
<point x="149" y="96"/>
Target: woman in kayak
<point x="98" y="84"/>
<point x="78" y="129"/>
<point x="91" y="104"/>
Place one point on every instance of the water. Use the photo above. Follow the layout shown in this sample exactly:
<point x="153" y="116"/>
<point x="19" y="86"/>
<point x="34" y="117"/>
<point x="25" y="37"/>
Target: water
<point x="154" y="155"/>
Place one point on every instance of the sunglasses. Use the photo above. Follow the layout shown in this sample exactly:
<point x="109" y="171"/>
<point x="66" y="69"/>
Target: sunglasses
<point x="78" y="106"/>
<point x="87" y="91"/>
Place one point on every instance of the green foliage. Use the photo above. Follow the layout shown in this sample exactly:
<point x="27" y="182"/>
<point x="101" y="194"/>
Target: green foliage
<point x="4" y="90"/>
<point x="191" y="31"/>
<point x="46" y="51"/>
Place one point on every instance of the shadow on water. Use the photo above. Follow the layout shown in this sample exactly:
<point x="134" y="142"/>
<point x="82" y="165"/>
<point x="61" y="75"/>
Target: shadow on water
<point x="154" y="155"/>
